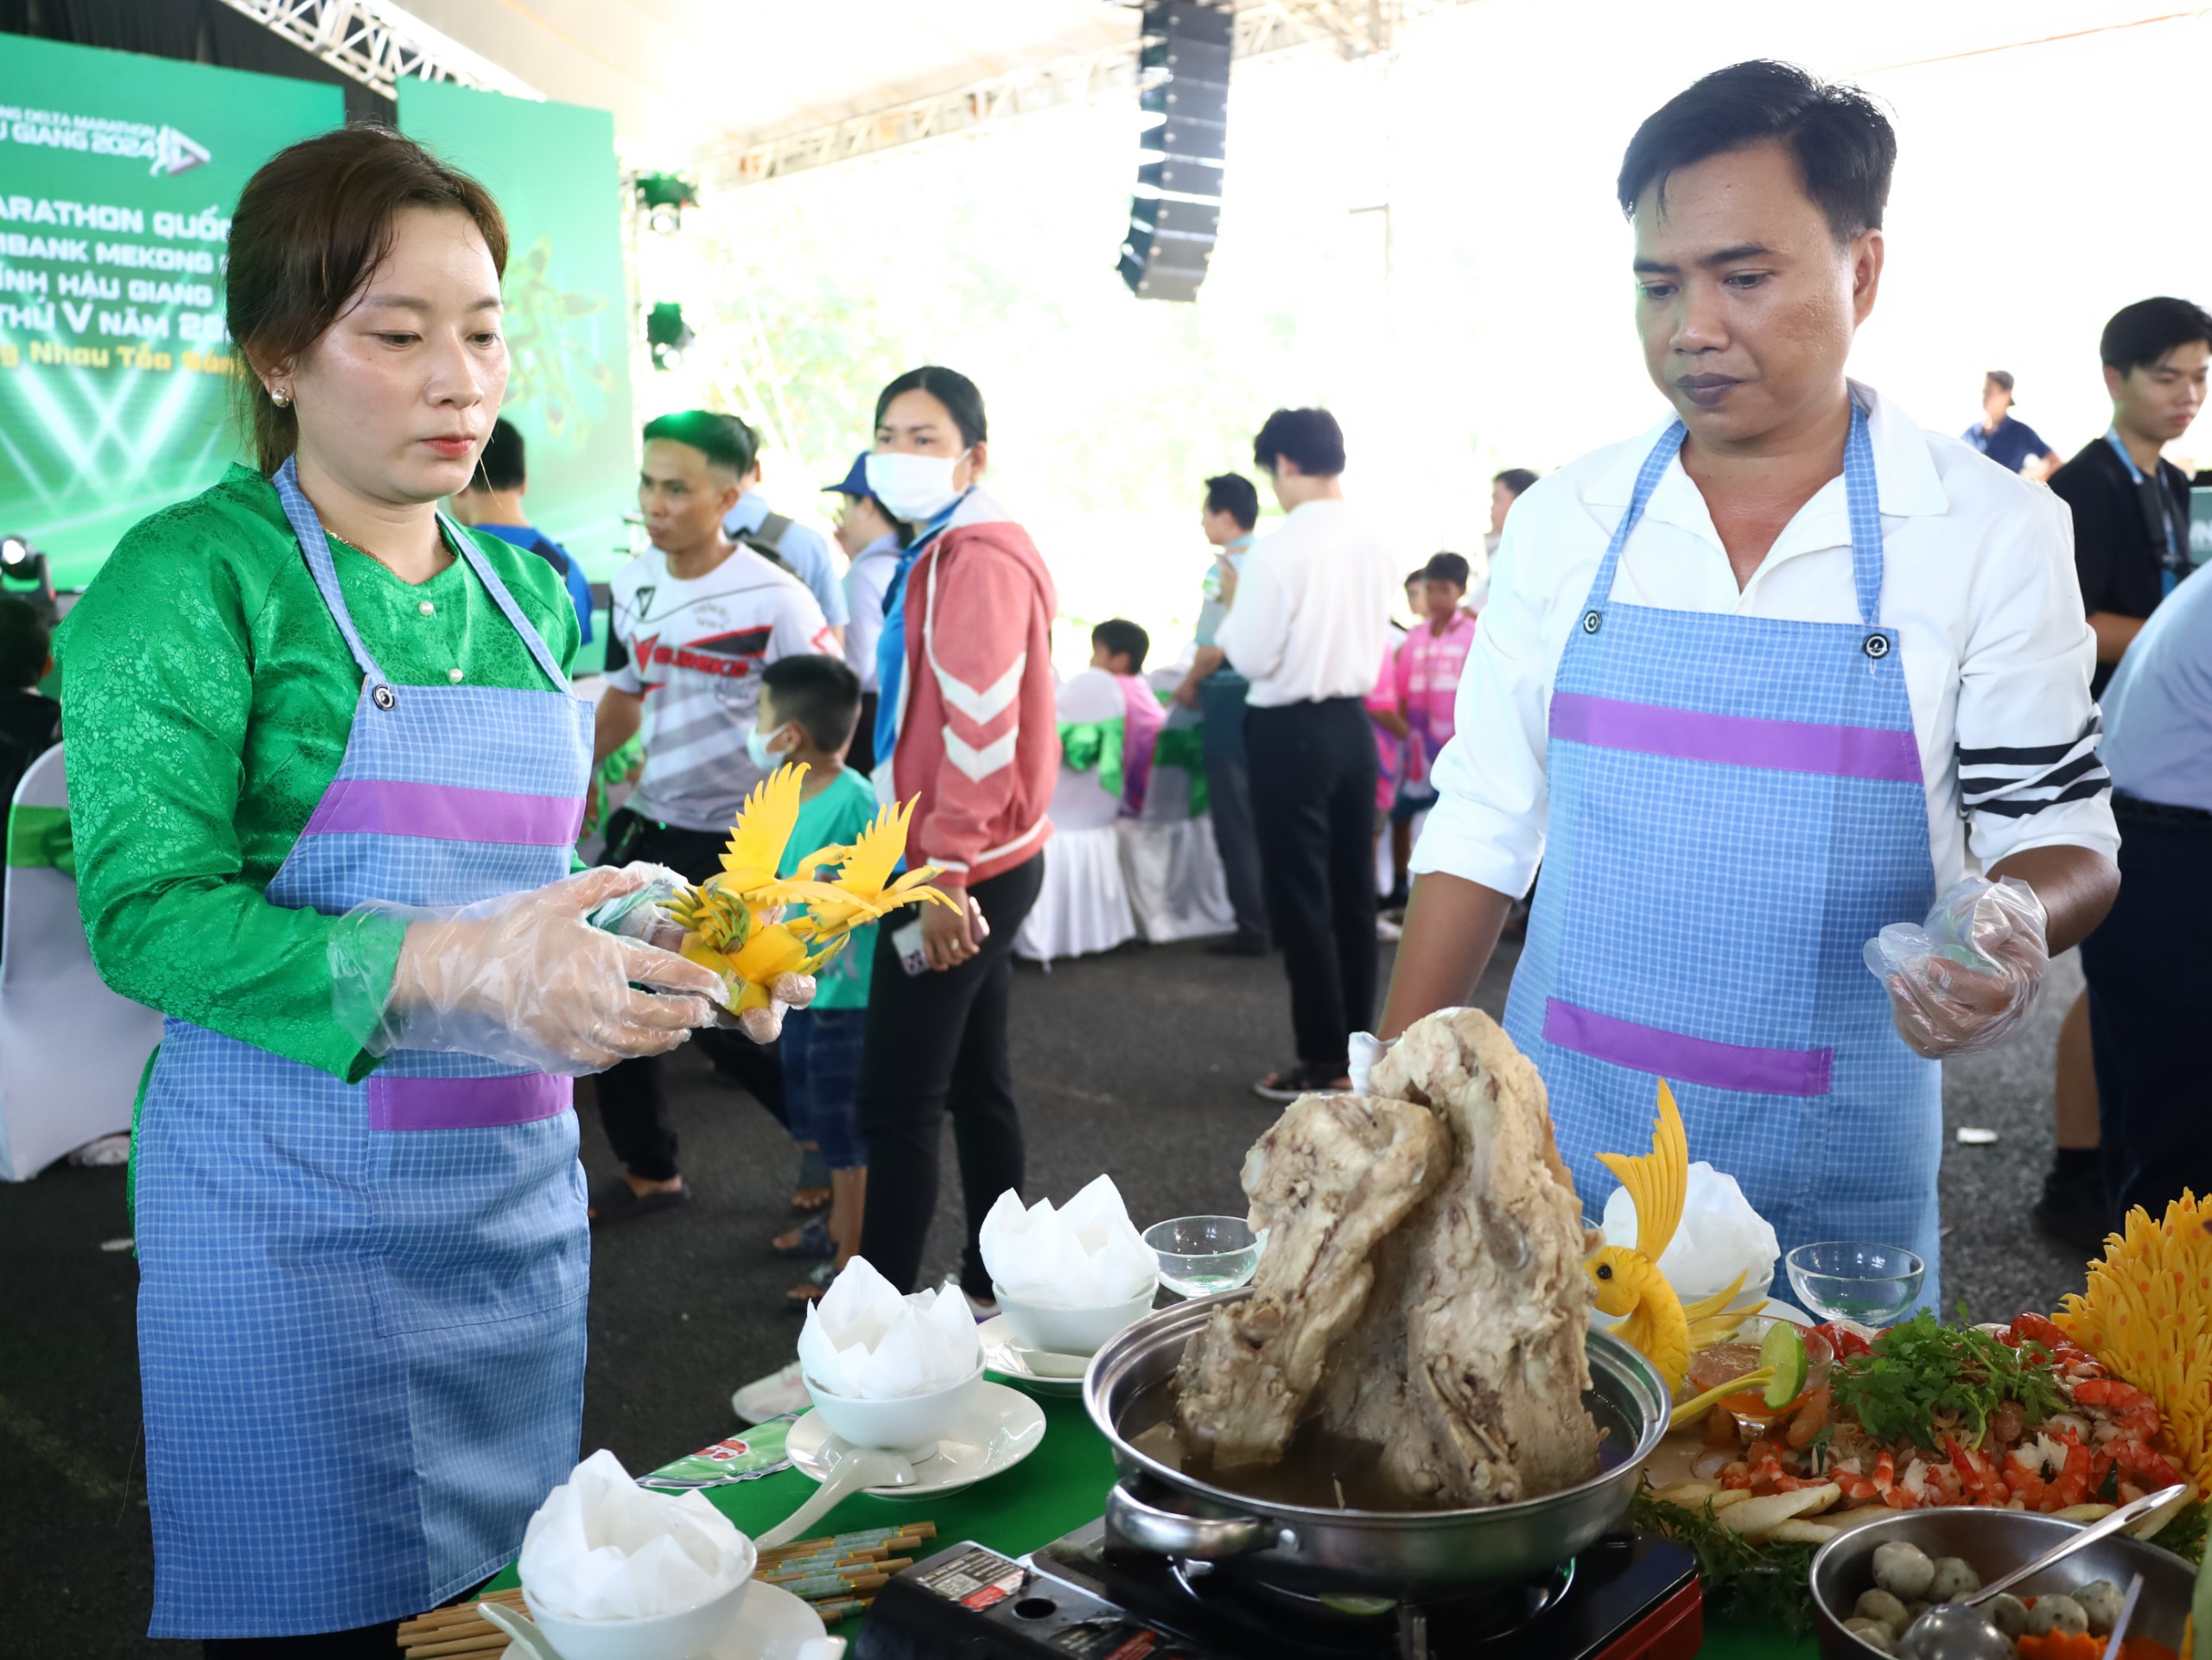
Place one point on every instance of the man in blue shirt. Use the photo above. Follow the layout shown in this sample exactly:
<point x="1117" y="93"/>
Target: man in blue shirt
<point x="2013" y="445"/>
<point x="2149" y="967"/>
<point x="785" y="541"/>
<point x="493" y="502"/>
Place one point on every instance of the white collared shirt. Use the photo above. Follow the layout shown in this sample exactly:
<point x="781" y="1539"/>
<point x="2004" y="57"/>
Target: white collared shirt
<point x="1311" y="618"/>
<point x="1978" y="581"/>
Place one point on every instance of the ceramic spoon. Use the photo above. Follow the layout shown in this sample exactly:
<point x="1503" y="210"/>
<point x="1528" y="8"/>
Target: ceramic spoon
<point x="528" y="1639"/>
<point x="860" y="1468"/>
<point x="1954" y="1631"/>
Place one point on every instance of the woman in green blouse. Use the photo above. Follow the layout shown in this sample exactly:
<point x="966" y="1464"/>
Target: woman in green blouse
<point x="325" y="773"/>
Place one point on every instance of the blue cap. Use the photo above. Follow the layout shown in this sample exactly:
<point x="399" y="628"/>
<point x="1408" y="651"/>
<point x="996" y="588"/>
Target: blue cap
<point x="855" y="483"/>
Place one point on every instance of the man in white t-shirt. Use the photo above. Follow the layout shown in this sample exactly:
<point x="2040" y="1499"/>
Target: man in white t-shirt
<point x="695" y="621"/>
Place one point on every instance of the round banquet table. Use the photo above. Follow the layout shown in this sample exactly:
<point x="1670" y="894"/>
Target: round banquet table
<point x="1054" y="1491"/>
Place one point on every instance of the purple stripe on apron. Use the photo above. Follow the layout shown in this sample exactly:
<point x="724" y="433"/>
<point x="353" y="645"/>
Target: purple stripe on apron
<point x="465" y="1102"/>
<point x="1736" y="739"/>
<point x="1687" y="1059"/>
<point x="441" y="812"/>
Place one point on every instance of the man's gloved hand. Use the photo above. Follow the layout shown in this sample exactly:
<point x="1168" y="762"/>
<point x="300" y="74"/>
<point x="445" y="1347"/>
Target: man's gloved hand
<point x="1366" y="1053"/>
<point x="527" y="979"/>
<point x="1960" y="981"/>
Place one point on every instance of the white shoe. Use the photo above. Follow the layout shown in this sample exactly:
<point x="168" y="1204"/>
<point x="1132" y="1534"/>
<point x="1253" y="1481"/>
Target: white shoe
<point x="771" y="1397"/>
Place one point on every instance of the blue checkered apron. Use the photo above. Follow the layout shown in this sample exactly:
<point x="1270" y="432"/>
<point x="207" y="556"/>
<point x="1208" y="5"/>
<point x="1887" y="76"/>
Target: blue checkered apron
<point x="1737" y="806"/>
<point x="361" y="1306"/>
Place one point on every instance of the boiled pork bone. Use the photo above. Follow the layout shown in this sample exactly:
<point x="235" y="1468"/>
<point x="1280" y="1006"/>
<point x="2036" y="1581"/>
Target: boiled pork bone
<point x="1328" y="1181"/>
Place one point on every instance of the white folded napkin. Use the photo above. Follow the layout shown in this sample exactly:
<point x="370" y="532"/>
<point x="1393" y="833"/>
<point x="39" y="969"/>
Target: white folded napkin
<point x="864" y="1341"/>
<point x="1088" y="1256"/>
<point x="1720" y="1236"/>
<point x="600" y="1546"/>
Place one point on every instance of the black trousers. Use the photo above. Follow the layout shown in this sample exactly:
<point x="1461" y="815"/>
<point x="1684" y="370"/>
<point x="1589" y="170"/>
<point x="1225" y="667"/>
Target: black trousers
<point x="937" y="1043"/>
<point x="1313" y="806"/>
<point x="1228" y="790"/>
<point x="633" y="1105"/>
<point x="2149" y="968"/>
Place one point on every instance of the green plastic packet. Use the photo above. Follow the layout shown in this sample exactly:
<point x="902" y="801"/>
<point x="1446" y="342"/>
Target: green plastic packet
<point x="746" y="1457"/>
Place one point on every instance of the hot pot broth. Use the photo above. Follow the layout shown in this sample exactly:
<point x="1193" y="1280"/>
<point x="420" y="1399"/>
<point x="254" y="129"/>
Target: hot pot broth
<point x="1319" y="1470"/>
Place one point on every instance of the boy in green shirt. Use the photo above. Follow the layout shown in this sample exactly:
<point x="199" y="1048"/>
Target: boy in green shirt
<point x="809" y="706"/>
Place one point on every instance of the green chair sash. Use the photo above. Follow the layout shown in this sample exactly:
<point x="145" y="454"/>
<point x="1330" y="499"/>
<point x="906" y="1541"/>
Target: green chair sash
<point x="39" y="838"/>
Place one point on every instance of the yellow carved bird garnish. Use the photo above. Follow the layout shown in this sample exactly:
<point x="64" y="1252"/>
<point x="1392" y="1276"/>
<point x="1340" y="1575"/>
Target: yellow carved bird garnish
<point x="740" y="922"/>
<point x="1627" y="1279"/>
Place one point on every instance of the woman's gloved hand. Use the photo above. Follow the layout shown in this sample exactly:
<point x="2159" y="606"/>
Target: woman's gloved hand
<point x="1960" y="981"/>
<point x="527" y="979"/>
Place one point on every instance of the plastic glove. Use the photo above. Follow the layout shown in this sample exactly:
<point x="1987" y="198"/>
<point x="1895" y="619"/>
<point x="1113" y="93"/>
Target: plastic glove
<point x="1366" y="1053"/>
<point x="1960" y="981"/>
<point x="526" y="979"/>
<point x="644" y="915"/>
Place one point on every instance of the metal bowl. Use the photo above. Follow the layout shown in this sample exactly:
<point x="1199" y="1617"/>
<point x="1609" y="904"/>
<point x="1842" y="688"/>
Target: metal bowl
<point x="1995" y="1542"/>
<point x="1403" y="1553"/>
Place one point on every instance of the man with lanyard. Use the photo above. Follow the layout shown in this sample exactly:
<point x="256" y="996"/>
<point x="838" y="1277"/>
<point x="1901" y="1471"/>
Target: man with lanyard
<point x="785" y="542"/>
<point x="1755" y="687"/>
<point x="2130" y="506"/>
<point x="1231" y="509"/>
<point x="2131" y="546"/>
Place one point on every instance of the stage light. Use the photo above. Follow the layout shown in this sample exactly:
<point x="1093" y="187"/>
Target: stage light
<point x="14" y="551"/>
<point x="668" y="334"/>
<point x="664" y="197"/>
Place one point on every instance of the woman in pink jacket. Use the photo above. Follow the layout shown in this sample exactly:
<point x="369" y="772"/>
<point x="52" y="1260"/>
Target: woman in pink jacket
<point x="966" y="724"/>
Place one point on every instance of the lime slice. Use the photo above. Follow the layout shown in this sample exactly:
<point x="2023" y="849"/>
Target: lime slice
<point x="1783" y="1349"/>
<point x="1366" y="1607"/>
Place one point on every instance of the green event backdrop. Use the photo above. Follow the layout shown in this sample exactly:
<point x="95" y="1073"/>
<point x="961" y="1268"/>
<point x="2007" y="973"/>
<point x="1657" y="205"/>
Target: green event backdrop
<point x="552" y="168"/>
<point x="118" y="175"/>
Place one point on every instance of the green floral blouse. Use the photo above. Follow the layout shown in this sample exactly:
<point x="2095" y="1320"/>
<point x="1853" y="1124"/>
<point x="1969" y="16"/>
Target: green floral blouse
<point x="207" y="695"/>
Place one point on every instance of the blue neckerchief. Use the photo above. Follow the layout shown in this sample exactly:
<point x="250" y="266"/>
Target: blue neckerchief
<point x="2167" y="573"/>
<point x="891" y="644"/>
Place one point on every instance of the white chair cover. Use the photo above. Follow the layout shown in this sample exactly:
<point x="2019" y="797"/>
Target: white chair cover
<point x="71" y="1051"/>
<point x="1084" y="905"/>
<point x="1168" y="858"/>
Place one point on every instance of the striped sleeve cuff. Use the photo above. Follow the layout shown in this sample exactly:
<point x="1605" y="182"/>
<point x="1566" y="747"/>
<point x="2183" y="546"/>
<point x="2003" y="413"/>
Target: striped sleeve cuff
<point x="2020" y="782"/>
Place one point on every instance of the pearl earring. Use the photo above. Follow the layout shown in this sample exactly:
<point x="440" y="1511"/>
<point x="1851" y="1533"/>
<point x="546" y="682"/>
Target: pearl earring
<point x="280" y="397"/>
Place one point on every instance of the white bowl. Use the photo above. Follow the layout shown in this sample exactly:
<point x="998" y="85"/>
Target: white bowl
<point x="692" y="1635"/>
<point x="900" y="1425"/>
<point x="1071" y="1331"/>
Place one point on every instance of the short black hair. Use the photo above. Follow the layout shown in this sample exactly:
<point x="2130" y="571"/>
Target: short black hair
<point x="722" y="439"/>
<point x="1447" y="568"/>
<point x="1234" y="494"/>
<point x="962" y="401"/>
<point x="1419" y="573"/>
<point x="26" y="642"/>
<point x="821" y="693"/>
<point x="1310" y="439"/>
<point x="1515" y="478"/>
<point x="2147" y="331"/>
<point x="1122" y="637"/>
<point x="500" y="467"/>
<point x="1844" y="146"/>
<point x="2002" y="377"/>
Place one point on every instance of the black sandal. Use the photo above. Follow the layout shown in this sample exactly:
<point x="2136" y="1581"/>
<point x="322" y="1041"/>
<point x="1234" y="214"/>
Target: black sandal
<point x="1289" y="1083"/>
<point x="617" y="1201"/>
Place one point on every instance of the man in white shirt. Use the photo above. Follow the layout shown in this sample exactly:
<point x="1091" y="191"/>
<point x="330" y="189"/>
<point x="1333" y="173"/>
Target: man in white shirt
<point x="1308" y="626"/>
<point x="874" y="545"/>
<point x="1756" y="699"/>
<point x="695" y="621"/>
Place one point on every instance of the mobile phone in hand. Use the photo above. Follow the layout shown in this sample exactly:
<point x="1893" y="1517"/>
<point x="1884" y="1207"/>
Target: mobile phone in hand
<point x="907" y="942"/>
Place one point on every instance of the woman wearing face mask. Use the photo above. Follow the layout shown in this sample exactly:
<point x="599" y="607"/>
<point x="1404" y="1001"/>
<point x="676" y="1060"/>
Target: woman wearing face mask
<point x="326" y="775"/>
<point x="965" y="723"/>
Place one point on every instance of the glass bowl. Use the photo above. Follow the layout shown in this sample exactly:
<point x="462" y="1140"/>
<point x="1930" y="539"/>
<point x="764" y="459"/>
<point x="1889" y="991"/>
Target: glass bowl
<point x="1201" y="1255"/>
<point x="1842" y="1279"/>
<point x="1711" y="1367"/>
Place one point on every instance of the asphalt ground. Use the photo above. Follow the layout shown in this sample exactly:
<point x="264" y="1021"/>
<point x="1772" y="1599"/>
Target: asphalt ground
<point x="1137" y="1063"/>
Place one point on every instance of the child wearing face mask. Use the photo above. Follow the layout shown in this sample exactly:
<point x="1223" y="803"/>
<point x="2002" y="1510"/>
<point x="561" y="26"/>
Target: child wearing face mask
<point x="809" y="706"/>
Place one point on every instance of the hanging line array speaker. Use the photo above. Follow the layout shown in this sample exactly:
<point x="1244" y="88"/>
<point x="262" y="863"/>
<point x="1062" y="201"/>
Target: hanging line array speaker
<point x="1182" y="72"/>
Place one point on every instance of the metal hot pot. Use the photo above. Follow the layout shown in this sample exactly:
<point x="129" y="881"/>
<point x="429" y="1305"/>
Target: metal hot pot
<point x="1306" y="1550"/>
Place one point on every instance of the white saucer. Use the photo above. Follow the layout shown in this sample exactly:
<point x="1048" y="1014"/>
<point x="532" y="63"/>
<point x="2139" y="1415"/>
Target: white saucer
<point x="1002" y="1428"/>
<point x="1003" y="1354"/>
<point x="771" y="1624"/>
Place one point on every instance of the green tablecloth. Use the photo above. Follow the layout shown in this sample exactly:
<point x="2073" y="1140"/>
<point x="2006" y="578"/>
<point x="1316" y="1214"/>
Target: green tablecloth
<point x="1054" y="1491"/>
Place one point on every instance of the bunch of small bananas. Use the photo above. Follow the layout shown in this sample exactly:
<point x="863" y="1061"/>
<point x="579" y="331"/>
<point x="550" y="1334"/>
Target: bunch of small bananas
<point x="765" y="935"/>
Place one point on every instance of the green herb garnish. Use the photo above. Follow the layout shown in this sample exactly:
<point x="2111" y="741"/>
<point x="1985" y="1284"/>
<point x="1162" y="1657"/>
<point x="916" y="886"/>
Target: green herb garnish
<point x="1767" y="1584"/>
<point x="1922" y="1370"/>
<point x="2184" y="1535"/>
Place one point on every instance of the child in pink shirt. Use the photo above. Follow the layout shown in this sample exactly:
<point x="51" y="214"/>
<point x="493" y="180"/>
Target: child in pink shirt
<point x="1425" y="684"/>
